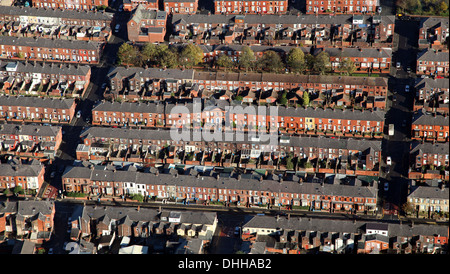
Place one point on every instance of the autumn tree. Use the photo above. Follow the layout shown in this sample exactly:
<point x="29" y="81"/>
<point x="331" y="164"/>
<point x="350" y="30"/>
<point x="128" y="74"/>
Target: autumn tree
<point x="322" y="62"/>
<point x="348" y="66"/>
<point x="224" y="61"/>
<point x="247" y="58"/>
<point x="149" y="53"/>
<point x="296" y="60"/>
<point x="270" y="61"/>
<point x="191" y="55"/>
<point x="167" y="57"/>
<point x="127" y="54"/>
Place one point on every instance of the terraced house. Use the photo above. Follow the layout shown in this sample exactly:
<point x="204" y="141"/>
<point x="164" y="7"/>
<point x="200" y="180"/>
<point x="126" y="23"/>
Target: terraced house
<point x="38" y="49"/>
<point x="36" y="109"/>
<point x="144" y="146"/>
<point x="430" y="127"/>
<point x="44" y="79"/>
<point x="433" y="62"/>
<point x="341" y="6"/>
<point x="56" y="23"/>
<point x="180" y="6"/>
<point x="248" y="29"/>
<point x="26" y="176"/>
<point x="129" y="5"/>
<point x="301" y="120"/>
<point x="70" y="4"/>
<point x="30" y="220"/>
<point x="251" y="7"/>
<point x="299" y="235"/>
<point x="142" y="222"/>
<point x="427" y="200"/>
<point x="30" y="140"/>
<point x="223" y="187"/>
<point x="433" y="32"/>
<point x="432" y="95"/>
<point x="341" y="91"/>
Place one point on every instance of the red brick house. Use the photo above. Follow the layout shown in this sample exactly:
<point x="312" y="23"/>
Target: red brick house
<point x="38" y="49"/>
<point x="35" y="109"/>
<point x="44" y="79"/>
<point x="430" y="126"/>
<point x="341" y="6"/>
<point x="129" y="5"/>
<point x="147" y="25"/>
<point x="27" y="176"/>
<point x="433" y="32"/>
<point x="235" y="189"/>
<point x="250" y="7"/>
<point x="66" y="4"/>
<point x="433" y="62"/>
<point x="31" y="220"/>
<point x="180" y="6"/>
<point x="30" y="140"/>
<point x="432" y="95"/>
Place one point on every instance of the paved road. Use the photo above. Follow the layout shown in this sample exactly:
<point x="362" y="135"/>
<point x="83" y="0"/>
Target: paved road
<point x="399" y="111"/>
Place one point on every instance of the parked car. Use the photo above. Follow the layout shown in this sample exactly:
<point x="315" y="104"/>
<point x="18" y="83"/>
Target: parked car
<point x="398" y="65"/>
<point x="388" y="161"/>
<point x="407" y="88"/>
<point x="117" y="28"/>
<point x="79" y="114"/>
<point x="386" y="186"/>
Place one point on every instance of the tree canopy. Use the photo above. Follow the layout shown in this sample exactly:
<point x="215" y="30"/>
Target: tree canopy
<point x="296" y="60"/>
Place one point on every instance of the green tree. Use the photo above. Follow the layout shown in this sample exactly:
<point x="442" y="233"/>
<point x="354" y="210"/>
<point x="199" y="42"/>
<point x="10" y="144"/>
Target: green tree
<point x="224" y="61"/>
<point x="191" y="55"/>
<point x="443" y="7"/>
<point x="348" y="66"/>
<point x="127" y="54"/>
<point x="270" y="61"/>
<point x="296" y="60"/>
<point x="165" y="57"/>
<point x="309" y="62"/>
<point x="283" y="99"/>
<point x="289" y="162"/>
<point x="18" y="190"/>
<point x="149" y="52"/>
<point x="322" y="62"/>
<point x="305" y="98"/>
<point x="247" y="58"/>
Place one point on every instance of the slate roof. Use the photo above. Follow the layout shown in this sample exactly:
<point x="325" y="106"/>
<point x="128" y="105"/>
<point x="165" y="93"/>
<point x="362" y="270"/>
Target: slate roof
<point x="56" y="13"/>
<point x="24" y="101"/>
<point x="48" y="43"/>
<point x="47" y="68"/>
<point x="20" y="170"/>
<point x="429" y="192"/>
<point x="150" y="134"/>
<point x="228" y="183"/>
<point x="345" y="226"/>
<point x="429" y="22"/>
<point x="437" y="148"/>
<point x="144" y="215"/>
<point x="140" y="13"/>
<point x="31" y="208"/>
<point x="153" y="73"/>
<point x="433" y="55"/>
<point x="421" y="117"/>
<point x="277" y="19"/>
<point x="31" y="130"/>
<point x="130" y="107"/>
<point x="377" y="115"/>
<point x="429" y="83"/>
